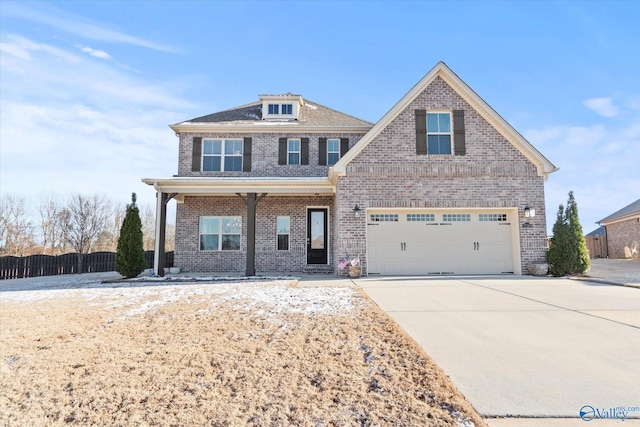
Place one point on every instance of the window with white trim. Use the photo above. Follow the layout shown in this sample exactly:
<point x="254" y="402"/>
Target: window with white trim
<point x="220" y="233"/>
<point x="439" y="133"/>
<point x="286" y="109"/>
<point x="283" y="224"/>
<point x="333" y="151"/>
<point x="273" y="108"/>
<point x="222" y="155"/>
<point x="293" y="151"/>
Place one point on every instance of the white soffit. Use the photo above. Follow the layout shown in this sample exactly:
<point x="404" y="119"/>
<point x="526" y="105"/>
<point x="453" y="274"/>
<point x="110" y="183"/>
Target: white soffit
<point x="228" y="186"/>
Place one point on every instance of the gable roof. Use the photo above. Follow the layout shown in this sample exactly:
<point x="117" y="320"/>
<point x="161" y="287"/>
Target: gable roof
<point x="313" y="116"/>
<point x="544" y="166"/>
<point x="627" y="212"/>
<point x="597" y="232"/>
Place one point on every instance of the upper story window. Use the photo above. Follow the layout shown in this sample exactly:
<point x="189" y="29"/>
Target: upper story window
<point x="273" y="109"/>
<point x="333" y="151"/>
<point x="222" y="155"/>
<point x="439" y="133"/>
<point x="293" y="151"/>
<point x="286" y="109"/>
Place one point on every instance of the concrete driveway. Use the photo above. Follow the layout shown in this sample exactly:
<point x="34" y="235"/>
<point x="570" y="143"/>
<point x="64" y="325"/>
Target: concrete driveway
<point x="524" y="346"/>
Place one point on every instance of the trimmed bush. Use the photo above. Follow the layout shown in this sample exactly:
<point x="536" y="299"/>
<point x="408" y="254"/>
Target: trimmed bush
<point x="568" y="253"/>
<point x="130" y="260"/>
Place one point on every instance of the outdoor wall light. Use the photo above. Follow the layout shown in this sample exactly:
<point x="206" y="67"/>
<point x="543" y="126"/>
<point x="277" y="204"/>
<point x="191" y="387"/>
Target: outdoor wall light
<point x="356" y="211"/>
<point x="529" y="212"/>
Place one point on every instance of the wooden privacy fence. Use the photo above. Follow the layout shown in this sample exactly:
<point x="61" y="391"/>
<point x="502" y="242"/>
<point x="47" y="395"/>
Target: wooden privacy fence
<point x="12" y="267"/>
<point x="597" y="246"/>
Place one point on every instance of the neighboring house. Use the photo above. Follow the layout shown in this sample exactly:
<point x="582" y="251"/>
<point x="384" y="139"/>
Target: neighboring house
<point x="440" y="185"/>
<point x="623" y="232"/>
<point x="597" y="243"/>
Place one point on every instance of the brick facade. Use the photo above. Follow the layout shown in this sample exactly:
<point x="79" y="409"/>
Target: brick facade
<point x="389" y="173"/>
<point x="268" y="260"/>
<point x="264" y="156"/>
<point x="623" y="239"/>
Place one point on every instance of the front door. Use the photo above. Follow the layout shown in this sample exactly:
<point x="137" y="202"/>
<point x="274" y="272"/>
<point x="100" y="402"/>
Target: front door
<point x="316" y="236"/>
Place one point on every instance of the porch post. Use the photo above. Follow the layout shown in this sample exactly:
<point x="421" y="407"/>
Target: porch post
<point x="251" y="200"/>
<point x="161" y="226"/>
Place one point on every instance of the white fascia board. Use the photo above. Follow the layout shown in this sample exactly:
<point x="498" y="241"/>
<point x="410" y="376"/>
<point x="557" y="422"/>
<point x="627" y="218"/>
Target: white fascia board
<point x="544" y="166"/>
<point x="631" y="216"/>
<point x="264" y="127"/>
<point x="226" y="186"/>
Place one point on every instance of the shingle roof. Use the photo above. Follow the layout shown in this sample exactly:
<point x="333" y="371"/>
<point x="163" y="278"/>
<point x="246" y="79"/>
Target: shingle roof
<point x="597" y="232"/>
<point x="633" y="208"/>
<point x="311" y="113"/>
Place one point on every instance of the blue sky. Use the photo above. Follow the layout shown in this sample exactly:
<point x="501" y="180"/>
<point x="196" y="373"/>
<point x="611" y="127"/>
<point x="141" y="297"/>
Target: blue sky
<point x="87" y="89"/>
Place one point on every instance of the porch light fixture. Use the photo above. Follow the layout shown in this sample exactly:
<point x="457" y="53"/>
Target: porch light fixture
<point x="529" y="212"/>
<point x="356" y="211"/>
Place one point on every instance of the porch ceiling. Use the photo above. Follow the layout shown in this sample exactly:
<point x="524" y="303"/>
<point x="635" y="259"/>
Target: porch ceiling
<point x="285" y="186"/>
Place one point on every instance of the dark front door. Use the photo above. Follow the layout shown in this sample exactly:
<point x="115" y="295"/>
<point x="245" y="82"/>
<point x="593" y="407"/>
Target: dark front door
<point x="317" y="236"/>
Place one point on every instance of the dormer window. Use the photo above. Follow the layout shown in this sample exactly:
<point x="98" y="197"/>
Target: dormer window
<point x="281" y="107"/>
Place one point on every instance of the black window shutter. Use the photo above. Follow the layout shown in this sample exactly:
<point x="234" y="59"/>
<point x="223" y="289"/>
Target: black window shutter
<point x="344" y="146"/>
<point x="246" y="155"/>
<point x="421" y="132"/>
<point x="304" y="151"/>
<point x="459" y="145"/>
<point x="196" y="154"/>
<point x="322" y="151"/>
<point x="282" y="151"/>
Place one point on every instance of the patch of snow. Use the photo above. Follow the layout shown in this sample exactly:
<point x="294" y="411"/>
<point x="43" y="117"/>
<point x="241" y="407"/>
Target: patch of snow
<point x="263" y="298"/>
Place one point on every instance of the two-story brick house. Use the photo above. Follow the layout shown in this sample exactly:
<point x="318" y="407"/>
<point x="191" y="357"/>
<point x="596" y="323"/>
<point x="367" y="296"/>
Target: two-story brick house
<point x="440" y="185"/>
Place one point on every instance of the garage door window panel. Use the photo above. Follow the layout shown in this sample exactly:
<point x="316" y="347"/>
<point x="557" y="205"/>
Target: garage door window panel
<point x="384" y="217"/>
<point x="456" y="217"/>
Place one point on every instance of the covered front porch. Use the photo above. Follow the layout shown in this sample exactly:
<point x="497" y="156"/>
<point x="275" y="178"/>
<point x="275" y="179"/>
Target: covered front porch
<point x="259" y="208"/>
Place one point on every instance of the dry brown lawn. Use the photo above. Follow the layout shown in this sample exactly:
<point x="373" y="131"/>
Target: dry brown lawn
<point x="217" y="354"/>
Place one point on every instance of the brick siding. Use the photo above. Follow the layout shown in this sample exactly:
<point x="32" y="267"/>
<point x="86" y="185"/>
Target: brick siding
<point x="264" y="155"/>
<point x="388" y="173"/>
<point x="190" y="258"/>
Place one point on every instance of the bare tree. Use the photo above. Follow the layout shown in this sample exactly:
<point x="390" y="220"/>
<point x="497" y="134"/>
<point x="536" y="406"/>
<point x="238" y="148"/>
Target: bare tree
<point x="170" y="238"/>
<point x="53" y="240"/>
<point x="16" y="231"/>
<point x="83" y="220"/>
<point x="148" y="228"/>
<point x="108" y="239"/>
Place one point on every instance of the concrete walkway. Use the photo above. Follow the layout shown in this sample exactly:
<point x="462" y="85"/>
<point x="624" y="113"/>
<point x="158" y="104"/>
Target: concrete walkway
<point x="522" y="346"/>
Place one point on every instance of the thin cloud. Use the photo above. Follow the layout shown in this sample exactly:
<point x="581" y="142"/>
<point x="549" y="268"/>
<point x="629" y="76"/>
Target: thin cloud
<point x="94" y="52"/>
<point x="602" y="106"/>
<point x="20" y="47"/>
<point x="73" y="24"/>
<point x="598" y="162"/>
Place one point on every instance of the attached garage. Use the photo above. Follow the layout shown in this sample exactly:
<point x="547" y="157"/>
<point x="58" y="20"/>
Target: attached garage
<point x="442" y="241"/>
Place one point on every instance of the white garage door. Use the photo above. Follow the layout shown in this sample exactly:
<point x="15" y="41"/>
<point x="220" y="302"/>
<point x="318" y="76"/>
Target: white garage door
<point x="439" y="242"/>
